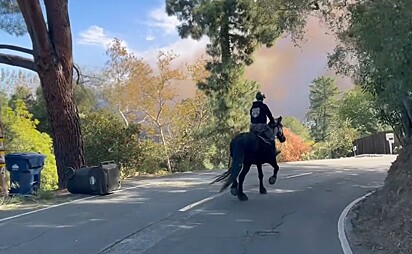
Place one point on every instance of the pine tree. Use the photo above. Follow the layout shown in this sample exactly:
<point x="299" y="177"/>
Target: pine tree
<point x="323" y="106"/>
<point x="236" y="28"/>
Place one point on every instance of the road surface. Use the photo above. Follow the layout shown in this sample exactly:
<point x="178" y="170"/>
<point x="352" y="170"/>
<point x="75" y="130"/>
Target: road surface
<point x="182" y="214"/>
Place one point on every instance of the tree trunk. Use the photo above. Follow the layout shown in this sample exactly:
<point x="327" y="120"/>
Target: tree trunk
<point x="65" y="121"/>
<point x="126" y="122"/>
<point x="407" y="104"/>
<point x="224" y="35"/>
<point x="53" y="61"/>
<point x="169" y="165"/>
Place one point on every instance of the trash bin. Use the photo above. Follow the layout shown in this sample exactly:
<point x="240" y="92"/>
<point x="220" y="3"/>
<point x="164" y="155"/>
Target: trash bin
<point x="25" y="171"/>
<point x="96" y="180"/>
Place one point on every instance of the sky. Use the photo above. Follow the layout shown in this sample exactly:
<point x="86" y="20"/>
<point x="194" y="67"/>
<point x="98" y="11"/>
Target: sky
<point x="284" y="71"/>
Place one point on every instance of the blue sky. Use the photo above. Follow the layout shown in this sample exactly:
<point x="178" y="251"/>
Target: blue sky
<point x="142" y="24"/>
<point x="284" y="71"/>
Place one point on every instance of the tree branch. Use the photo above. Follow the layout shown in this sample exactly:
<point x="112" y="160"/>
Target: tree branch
<point x="59" y="28"/>
<point x="143" y="120"/>
<point x="149" y="115"/>
<point x="77" y="70"/>
<point x="17" y="61"/>
<point x="160" y="109"/>
<point x="36" y="26"/>
<point x="123" y="117"/>
<point x="16" y="48"/>
<point x="27" y="63"/>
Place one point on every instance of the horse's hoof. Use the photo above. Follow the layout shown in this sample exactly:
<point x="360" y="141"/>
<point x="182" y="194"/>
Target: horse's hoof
<point x="272" y="180"/>
<point x="233" y="191"/>
<point x="263" y="191"/>
<point x="242" y="197"/>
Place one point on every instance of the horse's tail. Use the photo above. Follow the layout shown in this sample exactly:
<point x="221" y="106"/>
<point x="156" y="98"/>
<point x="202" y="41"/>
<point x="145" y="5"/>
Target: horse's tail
<point x="236" y="162"/>
<point x="225" y="175"/>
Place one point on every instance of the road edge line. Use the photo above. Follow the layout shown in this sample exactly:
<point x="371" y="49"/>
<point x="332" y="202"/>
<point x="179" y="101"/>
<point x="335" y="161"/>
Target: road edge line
<point x="66" y="203"/>
<point x="188" y="207"/>
<point x="341" y="224"/>
<point x="298" y="175"/>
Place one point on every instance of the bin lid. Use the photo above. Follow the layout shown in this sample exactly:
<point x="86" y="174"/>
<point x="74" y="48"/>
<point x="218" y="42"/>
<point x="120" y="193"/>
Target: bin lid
<point x="35" y="160"/>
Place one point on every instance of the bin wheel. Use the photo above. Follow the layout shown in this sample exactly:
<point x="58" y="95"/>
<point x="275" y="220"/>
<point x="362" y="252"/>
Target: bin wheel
<point x="70" y="173"/>
<point x="35" y="189"/>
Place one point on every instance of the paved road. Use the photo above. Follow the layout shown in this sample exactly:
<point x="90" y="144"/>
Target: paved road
<point x="298" y="215"/>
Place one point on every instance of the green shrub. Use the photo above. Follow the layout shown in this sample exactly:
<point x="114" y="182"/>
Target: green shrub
<point x="337" y="144"/>
<point x="21" y="135"/>
<point x="107" y="138"/>
<point x="192" y="154"/>
<point x="319" y="151"/>
<point x="153" y="157"/>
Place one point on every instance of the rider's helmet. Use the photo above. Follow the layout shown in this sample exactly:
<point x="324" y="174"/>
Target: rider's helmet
<point x="260" y="96"/>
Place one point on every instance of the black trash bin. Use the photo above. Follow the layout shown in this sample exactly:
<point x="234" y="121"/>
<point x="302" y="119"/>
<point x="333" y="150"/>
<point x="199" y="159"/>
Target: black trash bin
<point x="96" y="180"/>
<point x="25" y="172"/>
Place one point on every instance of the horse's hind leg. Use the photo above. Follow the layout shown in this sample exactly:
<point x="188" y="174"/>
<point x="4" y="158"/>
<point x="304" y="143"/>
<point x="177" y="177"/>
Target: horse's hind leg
<point x="233" y="188"/>
<point x="236" y="153"/>
<point x="274" y="177"/>
<point x="262" y="188"/>
<point x="240" y="194"/>
<point x="236" y="167"/>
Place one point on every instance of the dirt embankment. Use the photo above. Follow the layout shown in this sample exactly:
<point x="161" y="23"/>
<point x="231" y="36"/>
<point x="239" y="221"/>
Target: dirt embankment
<point x="382" y="223"/>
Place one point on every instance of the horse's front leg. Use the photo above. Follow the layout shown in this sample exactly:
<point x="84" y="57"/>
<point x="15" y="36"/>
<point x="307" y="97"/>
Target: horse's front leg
<point x="274" y="177"/>
<point x="262" y="188"/>
<point x="240" y="194"/>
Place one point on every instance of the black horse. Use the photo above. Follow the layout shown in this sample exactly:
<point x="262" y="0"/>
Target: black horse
<point x="247" y="149"/>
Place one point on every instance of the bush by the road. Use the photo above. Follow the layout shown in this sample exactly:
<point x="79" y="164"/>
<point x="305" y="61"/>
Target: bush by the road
<point x="293" y="148"/>
<point x="337" y="144"/>
<point x="107" y="138"/>
<point x="22" y="136"/>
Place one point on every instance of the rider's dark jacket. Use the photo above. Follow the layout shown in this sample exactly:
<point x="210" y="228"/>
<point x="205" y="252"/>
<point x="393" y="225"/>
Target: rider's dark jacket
<point x="258" y="113"/>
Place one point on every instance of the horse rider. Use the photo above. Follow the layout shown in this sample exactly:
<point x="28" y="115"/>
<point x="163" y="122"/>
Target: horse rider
<point x="259" y="112"/>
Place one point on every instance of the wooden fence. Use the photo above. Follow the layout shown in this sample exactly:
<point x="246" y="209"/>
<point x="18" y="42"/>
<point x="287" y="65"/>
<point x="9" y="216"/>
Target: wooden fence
<point x="376" y="144"/>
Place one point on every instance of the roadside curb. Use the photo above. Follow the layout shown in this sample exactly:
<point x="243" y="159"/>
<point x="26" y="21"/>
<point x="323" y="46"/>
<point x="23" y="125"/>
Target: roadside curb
<point x="342" y="224"/>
